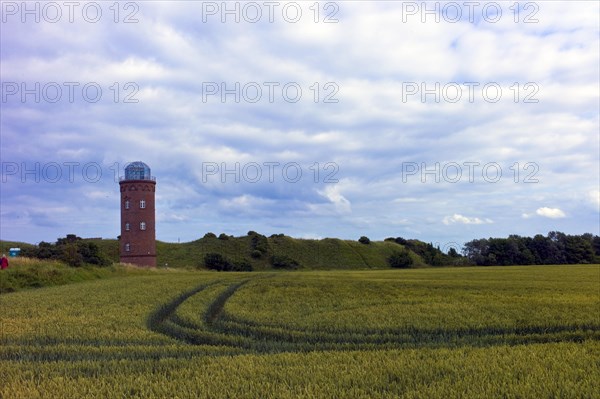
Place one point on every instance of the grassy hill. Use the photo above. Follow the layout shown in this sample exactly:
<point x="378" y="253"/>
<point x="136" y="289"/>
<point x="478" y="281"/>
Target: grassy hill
<point x="328" y="253"/>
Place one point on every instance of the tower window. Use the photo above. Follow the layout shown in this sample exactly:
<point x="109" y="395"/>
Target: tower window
<point x="142" y="204"/>
<point x="127" y="247"/>
<point x="142" y="225"/>
<point x="127" y="204"/>
<point x="126" y="226"/>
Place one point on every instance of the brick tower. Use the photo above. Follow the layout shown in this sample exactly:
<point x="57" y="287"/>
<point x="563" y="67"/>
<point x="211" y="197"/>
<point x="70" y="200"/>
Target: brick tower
<point x="138" y="234"/>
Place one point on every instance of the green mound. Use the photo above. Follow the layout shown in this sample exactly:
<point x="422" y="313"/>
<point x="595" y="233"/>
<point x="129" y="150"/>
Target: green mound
<point x="325" y="254"/>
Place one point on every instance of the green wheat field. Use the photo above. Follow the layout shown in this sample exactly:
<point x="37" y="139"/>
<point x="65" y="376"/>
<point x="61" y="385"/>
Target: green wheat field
<point x="495" y="332"/>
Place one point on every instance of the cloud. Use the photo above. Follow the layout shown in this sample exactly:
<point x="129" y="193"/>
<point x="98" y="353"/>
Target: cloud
<point x="457" y="218"/>
<point x="337" y="203"/>
<point x="552" y="213"/>
<point x="545" y="150"/>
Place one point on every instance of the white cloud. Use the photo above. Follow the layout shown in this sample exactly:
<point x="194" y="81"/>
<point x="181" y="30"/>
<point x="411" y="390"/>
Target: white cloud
<point x="545" y="149"/>
<point x="552" y="213"/>
<point x="244" y="203"/>
<point x="333" y="194"/>
<point x="458" y="218"/>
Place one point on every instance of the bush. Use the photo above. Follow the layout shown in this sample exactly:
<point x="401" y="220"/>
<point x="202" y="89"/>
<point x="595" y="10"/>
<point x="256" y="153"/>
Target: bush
<point x="241" y="266"/>
<point x="223" y="236"/>
<point x="401" y="241"/>
<point x="72" y="250"/>
<point x="364" y="240"/>
<point x="210" y="235"/>
<point x="259" y="242"/>
<point x="256" y="254"/>
<point x="215" y="261"/>
<point x="400" y="259"/>
<point x="91" y="254"/>
<point x="70" y="255"/>
<point x="45" y="250"/>
<point x="284" y="262"/>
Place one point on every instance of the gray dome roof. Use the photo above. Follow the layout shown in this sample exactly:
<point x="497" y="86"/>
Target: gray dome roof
<point x="137" y="171"/>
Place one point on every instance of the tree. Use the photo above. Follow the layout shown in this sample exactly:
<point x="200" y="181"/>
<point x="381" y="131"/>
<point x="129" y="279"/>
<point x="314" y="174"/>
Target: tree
<point x="258" y="242"/>
<point x="91" y="253"/>
<point x="400" y="259"/>
<point x="364" y="240"/>
<point x="72" y="250"/>
<point x="439" y="259"/>
<point x="545" y="250"/>
<point x="452" y="253"/>
<point x="70" y="255"/>
<point x="46" y="250"/>
<point x="578" y="250"/>
<point x="477" y="250"/>
<point x="596" y="245"/>
<point x="555" y="248"/>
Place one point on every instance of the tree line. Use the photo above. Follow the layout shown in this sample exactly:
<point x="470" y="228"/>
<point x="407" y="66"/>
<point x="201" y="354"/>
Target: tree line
<point x="72" y="250"/>
<point x="554" y="248"/>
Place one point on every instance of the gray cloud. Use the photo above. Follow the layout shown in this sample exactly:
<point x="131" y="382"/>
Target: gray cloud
<point x="170" y="57"/>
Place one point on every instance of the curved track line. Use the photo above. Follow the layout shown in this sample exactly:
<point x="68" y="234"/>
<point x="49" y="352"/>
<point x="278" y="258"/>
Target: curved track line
<point x="222" y="329"/>
<point x="216" y="307"/>
<point x="156" y="320"/>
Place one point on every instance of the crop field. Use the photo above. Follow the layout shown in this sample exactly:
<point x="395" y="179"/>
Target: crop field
<point x="496" y="332"/>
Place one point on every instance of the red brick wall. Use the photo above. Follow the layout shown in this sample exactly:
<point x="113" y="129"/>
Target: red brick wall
<point x="142" y="243"/>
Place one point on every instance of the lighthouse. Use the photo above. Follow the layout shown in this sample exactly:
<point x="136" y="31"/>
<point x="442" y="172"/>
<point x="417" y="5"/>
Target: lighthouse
<point x="138" y="234"/>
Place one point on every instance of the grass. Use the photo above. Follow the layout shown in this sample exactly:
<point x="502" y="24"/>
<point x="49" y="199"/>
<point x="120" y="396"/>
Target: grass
<point x="328" y="253"/>
<point x="514" y="332"/>
<point x="26" y="273"/>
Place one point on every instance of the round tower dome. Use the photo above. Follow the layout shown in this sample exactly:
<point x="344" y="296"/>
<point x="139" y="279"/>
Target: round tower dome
<point x="137" y="171"/>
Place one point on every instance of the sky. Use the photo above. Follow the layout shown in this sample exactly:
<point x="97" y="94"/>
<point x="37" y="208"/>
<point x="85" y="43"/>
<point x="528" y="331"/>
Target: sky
<point x="440" y="121"/>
